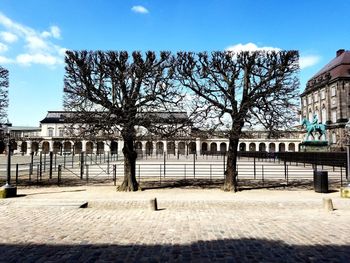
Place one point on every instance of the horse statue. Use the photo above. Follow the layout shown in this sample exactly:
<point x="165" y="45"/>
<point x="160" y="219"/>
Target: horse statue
<point x="313" y="127"/>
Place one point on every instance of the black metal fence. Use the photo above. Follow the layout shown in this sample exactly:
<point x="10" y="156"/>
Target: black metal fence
<point x="89" y="168"/>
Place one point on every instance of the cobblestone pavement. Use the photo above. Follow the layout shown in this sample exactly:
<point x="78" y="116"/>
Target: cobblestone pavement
<point x="190" y="226"/>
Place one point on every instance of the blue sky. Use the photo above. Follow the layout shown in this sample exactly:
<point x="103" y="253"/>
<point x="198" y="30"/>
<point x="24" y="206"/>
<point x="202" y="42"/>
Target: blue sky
<point x="34" y="35"/>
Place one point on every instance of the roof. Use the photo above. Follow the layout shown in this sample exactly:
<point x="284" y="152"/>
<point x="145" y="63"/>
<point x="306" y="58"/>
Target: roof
<point x="61" y="116"/>
<point x="338" y="67"/>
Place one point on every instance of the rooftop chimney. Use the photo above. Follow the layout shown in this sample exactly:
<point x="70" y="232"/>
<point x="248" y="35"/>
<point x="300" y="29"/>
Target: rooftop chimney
<point x="340" y="51"/>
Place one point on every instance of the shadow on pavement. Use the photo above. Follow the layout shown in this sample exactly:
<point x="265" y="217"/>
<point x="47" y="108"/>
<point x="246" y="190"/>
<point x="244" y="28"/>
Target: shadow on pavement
<point x="226" y="250"/>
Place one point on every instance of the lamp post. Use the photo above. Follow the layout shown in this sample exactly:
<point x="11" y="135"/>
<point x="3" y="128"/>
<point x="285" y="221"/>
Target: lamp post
<point x="8" y="190"/>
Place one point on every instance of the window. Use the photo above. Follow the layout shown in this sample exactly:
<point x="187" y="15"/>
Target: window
<point x="324" y="114"/>
<point x="309" y="99"/>
<point x="50" y="132"/>
<point x="323" y="94"/>
<point x="60" y="132"/>
<point x="334" y="116"/>
<point x="316" y="97"/>
<point x="333" y="91"/>
<point x="334" y="101"/>
<point x="334" y="137"/>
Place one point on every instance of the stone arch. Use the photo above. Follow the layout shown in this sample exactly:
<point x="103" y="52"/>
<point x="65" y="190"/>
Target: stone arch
<point x="223" y="148"/>
<point x="149" y="148"/>
<point x="100" y="147"/>
<point x="213" y="148"/>
<point x="262" y="147"/>
<point x="204" y="147"/>
<point x="67" y="147"/>
<point x="242" y="147"/>
<point x="282" y="147"/>
<point x="35" y="147"/>
<point x="192" y="148"/>
<point x="78" y="147"/>
<point x="159" y="148"/>
<point x="252" y="147"/>
<point x="170" y="148"/>
<point x="291" y="147"/>
<point x="24" y="147"/>
<point x="89" y="147"/>
<point x="272" y="147"/>
<point x="45" y="147"/>
<point x="57" y="147"/>
<point x="182" y="148"/>
<point x="114" y="147"/>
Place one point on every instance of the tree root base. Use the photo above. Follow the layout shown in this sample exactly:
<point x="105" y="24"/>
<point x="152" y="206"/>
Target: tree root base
<point x="128" y="188"/>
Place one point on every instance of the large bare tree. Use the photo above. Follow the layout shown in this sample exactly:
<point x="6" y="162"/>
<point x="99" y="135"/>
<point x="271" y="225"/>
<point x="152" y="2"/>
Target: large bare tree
<point x="112" y="91"/>
<point x="4" y="84"/>
<point x="241" y="89"/>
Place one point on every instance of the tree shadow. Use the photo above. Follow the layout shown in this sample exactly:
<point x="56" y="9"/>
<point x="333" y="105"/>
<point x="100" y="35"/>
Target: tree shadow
<point x="224" y="250"/>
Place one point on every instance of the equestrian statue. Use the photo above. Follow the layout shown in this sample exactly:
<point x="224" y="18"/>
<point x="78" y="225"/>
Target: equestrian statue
<point x="315" y="126"/>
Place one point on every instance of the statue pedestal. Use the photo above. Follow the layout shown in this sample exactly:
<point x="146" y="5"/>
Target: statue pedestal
<point x="314" y="146"/>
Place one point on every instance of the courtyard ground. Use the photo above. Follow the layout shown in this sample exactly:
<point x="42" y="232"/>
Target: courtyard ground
<point x="45" y="224"/>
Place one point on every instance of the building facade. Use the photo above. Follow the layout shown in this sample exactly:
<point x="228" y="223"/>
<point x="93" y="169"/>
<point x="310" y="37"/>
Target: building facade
<point x="52" y="136"/>
<point x="327" y="95"/>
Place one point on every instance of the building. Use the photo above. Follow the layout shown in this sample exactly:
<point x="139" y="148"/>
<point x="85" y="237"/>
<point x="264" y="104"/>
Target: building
<point x="52" y="136"/>
<point x="327" y="95"/>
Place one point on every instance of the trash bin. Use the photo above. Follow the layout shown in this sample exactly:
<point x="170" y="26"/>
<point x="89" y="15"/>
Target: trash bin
<point x="321" y="181"/>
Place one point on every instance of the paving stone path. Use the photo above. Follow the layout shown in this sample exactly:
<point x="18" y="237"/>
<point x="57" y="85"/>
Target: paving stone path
<point x="209" y="230"/>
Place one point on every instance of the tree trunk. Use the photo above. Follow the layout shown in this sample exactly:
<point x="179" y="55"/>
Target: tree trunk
<point x="130" y="183"/>
<point x="230" y="183"/>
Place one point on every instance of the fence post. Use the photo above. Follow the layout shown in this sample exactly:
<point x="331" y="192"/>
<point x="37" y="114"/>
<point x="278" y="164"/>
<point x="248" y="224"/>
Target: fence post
<point x="44" y="162"/>
<point x="194" y="167"/>
<point x="115" y="174"/>
<point x="55" y="161"/>
<point x="164" y="163"/>
<point x="72" y="158"/>
<point x="81" y="165"/>
<point x="64" y="160"/>
<point x="59" y="171"/>
<point x="50" y="169"/>
<point x="107" y="165"/>
<point x="87" y="173"/>
<point x="262" y="173"/>
<point x="31" y="163"/>
<point x="16" y="173"/>
<point x="285" y="169"/>
<point x="254" y="168"/>
<point x="210" y="172"/>
<point x="139" y="173"/>
<point x="160" y="174"/>
<point x="41" y="164"/>
<point x="37" y="173"/>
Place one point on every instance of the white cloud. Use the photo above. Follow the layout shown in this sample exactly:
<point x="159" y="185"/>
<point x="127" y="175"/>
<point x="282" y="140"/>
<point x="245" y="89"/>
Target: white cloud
<point x="55" y="32"/>
<point x="308" y="61"/>
<point x="37" y="48"/>
<point x="5" y="60"/>
<point x="250" y="47"/>
<point x="44" y="59"/>
<point x="8" y="37"/>
<point x="3" y="47"/>
<point x="139" y="9"/>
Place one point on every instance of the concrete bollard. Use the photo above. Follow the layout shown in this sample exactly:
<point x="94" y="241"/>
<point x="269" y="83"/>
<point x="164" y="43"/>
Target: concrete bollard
<point x="153" y="204"/>
<point x="328" y="204"/>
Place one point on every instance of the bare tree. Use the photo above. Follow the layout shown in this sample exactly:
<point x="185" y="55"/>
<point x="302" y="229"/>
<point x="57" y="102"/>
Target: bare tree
<point x="241" y="89"/>
<point x="116" y="92"/>
<point x="4" y="84"/>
